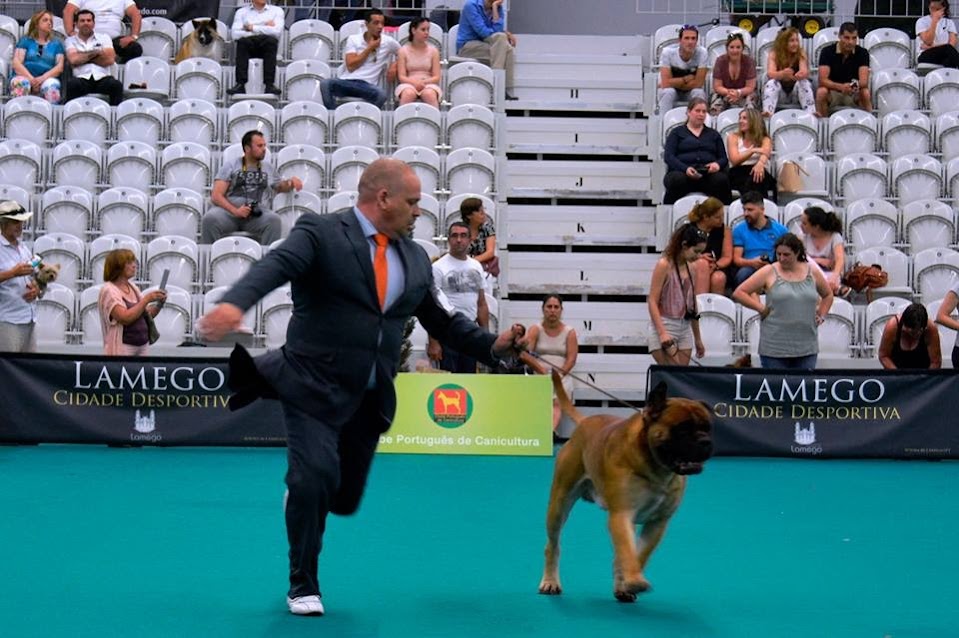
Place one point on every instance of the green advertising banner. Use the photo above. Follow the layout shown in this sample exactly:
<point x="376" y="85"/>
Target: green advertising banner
<point x="484" y="414"/>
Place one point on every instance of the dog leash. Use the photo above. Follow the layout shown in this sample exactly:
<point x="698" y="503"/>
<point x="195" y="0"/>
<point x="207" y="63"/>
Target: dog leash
<point x="584" y="381"/>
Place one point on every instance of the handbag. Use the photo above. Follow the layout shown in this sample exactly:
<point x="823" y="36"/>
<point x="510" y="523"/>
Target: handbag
<point x="791" y="177"/>
<point x="492" y="266"/>
<point x="153" y="335"/>
<point x="862" y="277"/>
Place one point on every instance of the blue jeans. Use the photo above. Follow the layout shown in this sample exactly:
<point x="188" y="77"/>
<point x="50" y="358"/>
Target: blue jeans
<point x="790" y="363"/>
<point x="334" y="88"/>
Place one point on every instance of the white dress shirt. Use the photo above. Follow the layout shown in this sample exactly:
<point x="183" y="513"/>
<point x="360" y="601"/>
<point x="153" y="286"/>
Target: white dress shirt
<point x="109" y="14"/>
<point x="258" y="20"/>
<point x="90" y="70"/>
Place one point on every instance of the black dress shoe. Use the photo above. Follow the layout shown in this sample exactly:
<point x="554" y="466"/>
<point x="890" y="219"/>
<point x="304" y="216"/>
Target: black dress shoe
<point x="236" y="89"/>
<point x="272" y="88"/>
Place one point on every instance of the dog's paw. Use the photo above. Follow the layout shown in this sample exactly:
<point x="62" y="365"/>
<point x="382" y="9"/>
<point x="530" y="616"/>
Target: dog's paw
<point x="550" y="587"/>
<point x="624" y="596"/>
<point x="625" y="592"/>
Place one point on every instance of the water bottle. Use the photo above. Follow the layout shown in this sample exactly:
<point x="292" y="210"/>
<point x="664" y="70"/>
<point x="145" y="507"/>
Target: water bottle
<point x="36" y="261"/>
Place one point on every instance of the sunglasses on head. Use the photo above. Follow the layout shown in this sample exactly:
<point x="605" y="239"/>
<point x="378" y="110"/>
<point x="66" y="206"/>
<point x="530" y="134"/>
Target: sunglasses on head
<point x="689" y="27"/>
<point x="734" y="36"/>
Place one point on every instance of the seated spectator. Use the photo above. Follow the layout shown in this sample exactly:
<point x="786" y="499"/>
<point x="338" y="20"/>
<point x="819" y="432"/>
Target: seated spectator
<point x="123" y="308"/>
<point x="483" y="35"/>
<point x="910" y="341"/>
<point x="944" y="317"/>
<point x="482" y="233"/>
<point x="695" y="158"/>
<point x="90" y="53"/>
<point x="256" y="31"/>
<point x="239" y="195"/>
<point x="787" y="73"/>
<point x="709" y="271"/>
<point x="734" y="78"/>
<point x="418" y="67"/>
<point x="109" y="16"/>
<point x="366" y="57"/>
<point x="557" y="343"/>
<point x="682" y="70"/>
<point x="38" y="60"/>
<point x="754" y="239"/>
<point x="822" y="239"/>
<point x="749" y="149"/>
<point x="936" y="36"/>
<point x="843" y="74"/>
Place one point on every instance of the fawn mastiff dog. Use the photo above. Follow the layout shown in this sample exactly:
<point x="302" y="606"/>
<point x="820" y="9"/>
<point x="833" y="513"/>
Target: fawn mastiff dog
<point x="636" y="469"/>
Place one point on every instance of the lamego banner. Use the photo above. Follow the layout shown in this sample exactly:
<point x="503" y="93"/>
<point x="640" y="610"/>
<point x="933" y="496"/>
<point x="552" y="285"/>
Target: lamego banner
<point x="168" y="401"/>
<point x="828" y="413"/>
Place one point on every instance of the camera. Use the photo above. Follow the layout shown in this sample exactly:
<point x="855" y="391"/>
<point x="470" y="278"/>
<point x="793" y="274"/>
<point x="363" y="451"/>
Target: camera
<point x="254" y="209"/>
<point x="764" y="258"/>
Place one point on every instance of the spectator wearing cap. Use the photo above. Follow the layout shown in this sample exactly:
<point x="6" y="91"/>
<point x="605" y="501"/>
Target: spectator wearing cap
<point x="682" y="70"/>
<point x="18" y="291"/>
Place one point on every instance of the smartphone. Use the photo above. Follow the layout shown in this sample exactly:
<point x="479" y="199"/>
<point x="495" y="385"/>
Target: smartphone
<point x="164" y="278"/>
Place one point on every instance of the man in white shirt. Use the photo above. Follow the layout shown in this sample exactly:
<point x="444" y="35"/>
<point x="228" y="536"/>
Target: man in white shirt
<point x="366" y="56"/>
<point x="18" y="292"/>
<point x="460" y="278"/>
<point x="109" y="16"/>
<point x="256" y="31"/>
<point x="90" y="54"/>
<point x="682" y="70"/>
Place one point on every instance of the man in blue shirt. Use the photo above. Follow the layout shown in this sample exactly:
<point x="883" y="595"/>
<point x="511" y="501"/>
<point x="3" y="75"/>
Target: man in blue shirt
<point x="754" y="239"/>
<point x="483" y="35"/>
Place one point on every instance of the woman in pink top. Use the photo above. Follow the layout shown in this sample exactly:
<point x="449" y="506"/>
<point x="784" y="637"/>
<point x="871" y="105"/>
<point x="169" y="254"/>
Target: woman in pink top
<point x="418" y="67"/>
<point x="674" y="320"/>
<point x="123" y="306"/>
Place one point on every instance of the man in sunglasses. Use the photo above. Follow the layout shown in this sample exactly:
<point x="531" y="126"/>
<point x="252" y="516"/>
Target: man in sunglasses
<point x="366" y="57"/>
<point x="682" y="70"/>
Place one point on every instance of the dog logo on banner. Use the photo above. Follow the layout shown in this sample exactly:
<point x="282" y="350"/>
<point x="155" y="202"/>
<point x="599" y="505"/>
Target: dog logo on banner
<point x="146" y="423"/>
<point x="450" y="405"/>
<point x="805" y="439"/>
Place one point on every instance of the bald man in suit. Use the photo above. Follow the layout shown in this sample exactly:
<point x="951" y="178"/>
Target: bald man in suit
<point x="334" y="377"/>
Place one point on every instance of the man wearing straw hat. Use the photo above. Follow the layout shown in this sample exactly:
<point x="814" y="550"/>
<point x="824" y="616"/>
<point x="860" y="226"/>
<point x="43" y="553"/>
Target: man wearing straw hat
<point x="18" y="291"/>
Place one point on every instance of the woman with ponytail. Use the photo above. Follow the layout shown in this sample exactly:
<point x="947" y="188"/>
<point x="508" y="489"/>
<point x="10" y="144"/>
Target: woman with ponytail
<point x="709" y="271"/>
<point x="822" y="238"/>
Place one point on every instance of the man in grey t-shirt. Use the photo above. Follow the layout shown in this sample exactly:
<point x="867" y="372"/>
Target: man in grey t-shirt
<point x="239" y="195"/>
<point x="682" y="70"/>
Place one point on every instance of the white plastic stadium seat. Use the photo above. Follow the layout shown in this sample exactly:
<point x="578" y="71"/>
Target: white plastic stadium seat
<point x="871" y="222"/>
<point x="735" y="214"/>
<point x="726" y="122"/>
<point x="470" y="83"/>
<point x="28" y="118"/>
<point x="942" y="91"/>
<point x="952" y="178"/>
<point x="158" y="37"/>
<point x="470" y="170"/>
<point x="9" y="34"/>
<point x="935" y="272"/>
<point x="896" y="90"/>
<point x="212" y="297"/>
<point x="66" y="250"/>
<point x="794" y="131"/>
<point x="311" y="40"/>
<point x="346" y="30"/>
<point x="877" y="314"/>
<point x="347" y="164"/>
<point x="177" y="211"/>
<point x="664" y="36"/>
<point x="838" y="334"/>
<point x="76" y="163"/>
<point x="358" y="124"/>
<point x="290" y="205"/>
<point x="427" y="226"/>
<point x="861" y="176"/>
<point x="304" y="161"/>
<point x="432" y="250"/>
<point x="454" y="202"/>
<point x="763" y="44"/>
<point x="916" y="177"/>
<point x="152" y="72"/>
<point x="717" y="323"/>
<point x="88" y="313"/>
<point x="895" y="263"/>
<point x="179" y="255"/>
<point x="249" y="115"/>
<point x="132" y="164"/>
<point x="341" y="201"/>
<point x="470" y="125"/>
<point x="198" y="79"/>
<point x="822" y="39"/>
<point x="277" y="309"/>
<point x="906" y="132"/>
<point x="814" y="173"/>
<point x="55" y="314"/>
<point x="793" y="211"/>
<point x="853" y="131"/>
<point x="425" y="162"/>
<point x="305" y="123"/>
<point x="193" y="120"/>
<point x="671" y="119"/>
<point x="123" y="211"/>
<point x="140" y="120"/>
<point x="102" y="245"/>
<point x="928" y="223"/>
<point x="231" y="257"/>
<point x="682" y="207"/>
<point x="175" y="321"/>
<point x="86" y="118"/>
<point x="715" y="41"/>
<point x="303" y="79"/>
<point x="947" y="135"/>
<point x="21" y="163"/>
<point x="186" y="165"/>
<point x="17" y="194"/>
<point x="435" y="37"/>
<point x="416" y="124"/>
<point x="66" y="209"/>
<point x="888" y="49"/>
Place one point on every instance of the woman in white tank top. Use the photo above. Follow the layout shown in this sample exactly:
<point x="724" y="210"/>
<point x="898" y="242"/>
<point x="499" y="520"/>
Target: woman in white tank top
<point x="555" y="342"/>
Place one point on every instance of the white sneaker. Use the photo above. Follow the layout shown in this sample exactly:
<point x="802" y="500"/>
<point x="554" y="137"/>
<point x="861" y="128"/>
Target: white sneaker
<point x="305" y="605"/>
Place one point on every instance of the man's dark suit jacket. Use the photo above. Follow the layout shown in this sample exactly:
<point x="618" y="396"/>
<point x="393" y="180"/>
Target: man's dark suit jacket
<point x="334" y="335"/>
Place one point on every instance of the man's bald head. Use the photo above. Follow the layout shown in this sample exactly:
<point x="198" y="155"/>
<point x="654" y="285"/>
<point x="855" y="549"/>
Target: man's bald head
<point x="385" y="173"/>
<point x="389" y="194"/>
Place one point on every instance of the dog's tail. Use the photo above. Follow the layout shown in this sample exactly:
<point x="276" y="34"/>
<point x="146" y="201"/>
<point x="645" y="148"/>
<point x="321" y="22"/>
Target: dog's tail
<point x="564" y="403"/>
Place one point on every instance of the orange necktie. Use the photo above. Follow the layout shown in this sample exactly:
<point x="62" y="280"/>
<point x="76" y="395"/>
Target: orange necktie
<point x="380" y="269"/>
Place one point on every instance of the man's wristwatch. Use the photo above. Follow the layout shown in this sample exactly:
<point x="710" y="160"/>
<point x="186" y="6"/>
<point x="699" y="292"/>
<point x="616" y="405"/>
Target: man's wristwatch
<point x="134" y="37"/>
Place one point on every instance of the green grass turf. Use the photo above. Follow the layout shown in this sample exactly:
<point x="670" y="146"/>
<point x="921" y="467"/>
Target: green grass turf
<point x="190" y="542"/>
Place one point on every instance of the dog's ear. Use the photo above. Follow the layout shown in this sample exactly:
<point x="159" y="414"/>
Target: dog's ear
<point x="656" y="401"/>
<point x="197" y="24"/>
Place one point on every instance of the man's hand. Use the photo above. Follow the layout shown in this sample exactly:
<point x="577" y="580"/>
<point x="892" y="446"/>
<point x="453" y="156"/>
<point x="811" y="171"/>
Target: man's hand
<point x="126" y="40"/>
<point x="511" y="39"/>
<point x="296" y="183"/>
<point x="509" y="342"/>
<point x="713" y="167"/>
<point x="216" y="324"/>
<point x="243" y="211"/>
<point x="32" y="293"/>
<point x="21" y="270"/>
<point x="248" y="27"/>
<point x="374" y="43"/>
<point x="848" y="88"/>
<point x="692" y="173"/>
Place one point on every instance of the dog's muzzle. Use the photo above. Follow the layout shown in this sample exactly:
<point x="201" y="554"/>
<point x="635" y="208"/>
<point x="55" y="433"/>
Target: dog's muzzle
<point x="686" y="452"/>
